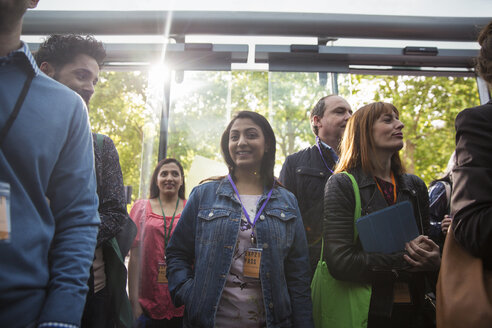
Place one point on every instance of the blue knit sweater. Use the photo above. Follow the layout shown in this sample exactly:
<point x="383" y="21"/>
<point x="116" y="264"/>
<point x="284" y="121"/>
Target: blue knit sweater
<point x="47" y="158"/>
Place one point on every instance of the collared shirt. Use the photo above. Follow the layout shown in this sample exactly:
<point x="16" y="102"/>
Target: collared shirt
<point x="333" y="153"/>
<point x="22" y="55"/>
<point x="46" y="155"/>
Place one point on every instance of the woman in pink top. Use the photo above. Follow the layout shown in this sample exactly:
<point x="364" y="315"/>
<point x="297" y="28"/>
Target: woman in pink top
<point x="147" y="282"/>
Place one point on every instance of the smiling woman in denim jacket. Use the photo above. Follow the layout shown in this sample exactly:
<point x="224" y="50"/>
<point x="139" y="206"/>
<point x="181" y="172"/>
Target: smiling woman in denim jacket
<point x="238" y="256"/>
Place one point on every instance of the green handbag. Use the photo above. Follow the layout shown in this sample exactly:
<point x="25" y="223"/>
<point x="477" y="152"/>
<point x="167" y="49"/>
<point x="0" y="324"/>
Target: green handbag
<point x="340" y="304"/>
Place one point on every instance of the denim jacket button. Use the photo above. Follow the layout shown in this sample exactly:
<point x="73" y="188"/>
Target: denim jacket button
<point x="268" y="275"/>
<point x="265" y="246"/>
<point x="270" y="305"/>
<point x="211" y="214"/>
<point x="282" y="214"/>
<point x="222" y="275"/>
<point x="262" y="217"/>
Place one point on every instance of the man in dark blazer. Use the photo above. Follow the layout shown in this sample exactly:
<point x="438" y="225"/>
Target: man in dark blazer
<point x="471" y="201"/>
<point x="305" y="173"/>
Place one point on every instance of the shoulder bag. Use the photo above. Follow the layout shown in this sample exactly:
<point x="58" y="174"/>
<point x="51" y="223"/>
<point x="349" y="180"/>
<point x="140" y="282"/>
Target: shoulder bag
<point x="340" y="304"/>
<point x="464" y="289"/>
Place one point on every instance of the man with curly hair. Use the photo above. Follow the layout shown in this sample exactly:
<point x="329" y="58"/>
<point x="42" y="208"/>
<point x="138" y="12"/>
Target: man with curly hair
<point x="75" y="61"/>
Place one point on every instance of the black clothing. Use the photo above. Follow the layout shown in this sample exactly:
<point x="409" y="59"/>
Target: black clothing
<point x="110" y="307"/>
<point x="110" y="190"/>
<point x="305" y="174"/>
<point x="349" y="262"/>
<point x="471" y="201"/>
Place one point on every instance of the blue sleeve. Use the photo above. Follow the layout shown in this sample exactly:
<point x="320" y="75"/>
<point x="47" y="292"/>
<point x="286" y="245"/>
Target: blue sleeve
<point x="73" y="202"/>
<point x="297" y="275"/>
<point x="180" y="252"/>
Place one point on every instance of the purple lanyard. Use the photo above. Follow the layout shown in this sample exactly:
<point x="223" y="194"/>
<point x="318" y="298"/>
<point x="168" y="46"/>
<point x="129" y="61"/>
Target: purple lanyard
<point x="246" y="212"/>
<point x="322" y="157"/>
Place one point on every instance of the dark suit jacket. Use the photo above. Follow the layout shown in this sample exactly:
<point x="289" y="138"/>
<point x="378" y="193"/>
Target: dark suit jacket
<point x="471" y="202"/>
<point x="304" y="174"/>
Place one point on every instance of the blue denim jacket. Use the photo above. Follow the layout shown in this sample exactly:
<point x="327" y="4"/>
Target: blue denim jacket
<point x="200" y="252"/>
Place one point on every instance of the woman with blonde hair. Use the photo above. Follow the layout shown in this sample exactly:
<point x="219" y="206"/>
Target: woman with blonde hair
<point x="369" y="151"/>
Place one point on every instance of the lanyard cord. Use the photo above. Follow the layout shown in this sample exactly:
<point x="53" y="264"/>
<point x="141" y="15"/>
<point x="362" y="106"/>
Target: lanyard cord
<point x="322" y="157"/>
<point x="393" y="183"/>
<point x="246" y="212"/>
<point x="167" y="234"/>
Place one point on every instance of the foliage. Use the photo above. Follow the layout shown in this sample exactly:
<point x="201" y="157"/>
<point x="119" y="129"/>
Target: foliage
<point x="118" y="111"/>
<point x="428" y="107"/>
<point x="203" y="104"/>
<point x="201" y="112"/>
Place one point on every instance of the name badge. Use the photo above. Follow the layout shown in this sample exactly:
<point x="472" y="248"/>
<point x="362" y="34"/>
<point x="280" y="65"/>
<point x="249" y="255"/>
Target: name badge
<point x="252" y="261"/>
<point x="401" y="293"/>
<point x="161" y="275"/>
<point x="4" y="212"/>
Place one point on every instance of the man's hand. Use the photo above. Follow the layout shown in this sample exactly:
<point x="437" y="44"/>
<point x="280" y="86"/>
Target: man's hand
<point x="423" y="254"/>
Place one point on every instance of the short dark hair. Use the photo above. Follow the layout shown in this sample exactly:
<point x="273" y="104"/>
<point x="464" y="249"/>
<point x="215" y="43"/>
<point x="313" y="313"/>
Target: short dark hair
<point x="61" y="49"/>
<point x="268" y="161"/>
<point x="484" y="59"/>
<point x="318" y="110"/>
<point x="154" y="189"/>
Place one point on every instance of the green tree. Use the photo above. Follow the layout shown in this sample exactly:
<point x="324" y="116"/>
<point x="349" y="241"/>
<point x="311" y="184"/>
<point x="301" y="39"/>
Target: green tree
<point x="118" y="110"/>
<point x="204" y="103"/>
<point x="200" y="113"/>
<point x="428" y="107"/>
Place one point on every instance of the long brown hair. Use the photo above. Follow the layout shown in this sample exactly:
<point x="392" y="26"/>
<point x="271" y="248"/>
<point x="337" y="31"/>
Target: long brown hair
<point x="357" y="146"/>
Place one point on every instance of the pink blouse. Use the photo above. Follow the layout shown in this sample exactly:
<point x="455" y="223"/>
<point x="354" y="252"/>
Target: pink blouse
<point x="154" y="297"/>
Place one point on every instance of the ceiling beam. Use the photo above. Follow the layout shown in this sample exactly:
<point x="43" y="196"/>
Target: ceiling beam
<point x="320" y="25"/>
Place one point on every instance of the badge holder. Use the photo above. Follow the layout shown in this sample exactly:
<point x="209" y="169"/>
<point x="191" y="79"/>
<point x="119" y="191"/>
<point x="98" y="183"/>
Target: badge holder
<point x="161" y="274"/>
<point x="4" y="212"/>
<point x="252" y="262"/>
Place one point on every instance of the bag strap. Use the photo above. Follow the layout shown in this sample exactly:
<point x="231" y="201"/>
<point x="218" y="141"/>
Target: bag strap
<point x="447" y="188"/>
<point x="99" y="141"/>
<point x="17" y="107"/>
<point x="357" y="211"/>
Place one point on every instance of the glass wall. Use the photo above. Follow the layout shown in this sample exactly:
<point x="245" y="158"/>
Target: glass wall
<point x="203" y="103"/>
<point x="127" y="107"/>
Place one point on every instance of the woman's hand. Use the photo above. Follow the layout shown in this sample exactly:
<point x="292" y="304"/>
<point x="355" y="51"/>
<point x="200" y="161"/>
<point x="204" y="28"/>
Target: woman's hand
<point x="446" y="222"/>
<point x="423" y="254"/>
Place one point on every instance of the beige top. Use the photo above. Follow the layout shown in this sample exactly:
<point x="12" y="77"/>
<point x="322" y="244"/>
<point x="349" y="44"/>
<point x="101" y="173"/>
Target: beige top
<point x="98" y="267"/>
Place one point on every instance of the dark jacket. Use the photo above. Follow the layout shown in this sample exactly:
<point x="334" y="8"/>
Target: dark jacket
<point x="305" y="175"/>
<point x="117" y="230"/>
<point x="471" y="201"/>
<point x="349" y="262"/>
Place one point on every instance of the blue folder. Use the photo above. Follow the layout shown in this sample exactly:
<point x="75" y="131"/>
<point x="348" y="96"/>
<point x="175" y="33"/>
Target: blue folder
<point x="387" y="230"/>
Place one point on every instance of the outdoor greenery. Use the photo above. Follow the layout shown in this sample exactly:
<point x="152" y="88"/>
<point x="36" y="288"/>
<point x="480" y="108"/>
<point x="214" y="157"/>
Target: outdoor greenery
<point x="202" y="105"/>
